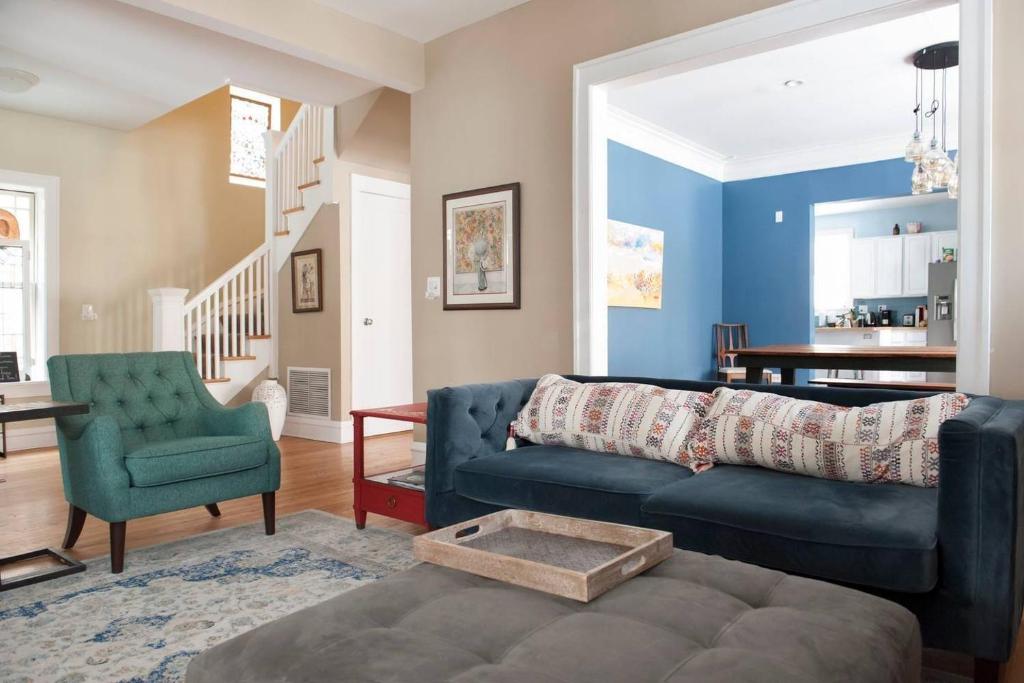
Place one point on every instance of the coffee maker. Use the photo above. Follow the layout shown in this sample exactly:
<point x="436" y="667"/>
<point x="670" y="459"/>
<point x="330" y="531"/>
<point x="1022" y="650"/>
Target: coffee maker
<point x="885" y="317"/>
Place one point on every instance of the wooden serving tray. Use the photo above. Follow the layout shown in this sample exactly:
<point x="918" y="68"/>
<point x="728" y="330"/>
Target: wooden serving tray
<point x="565" y="556"/>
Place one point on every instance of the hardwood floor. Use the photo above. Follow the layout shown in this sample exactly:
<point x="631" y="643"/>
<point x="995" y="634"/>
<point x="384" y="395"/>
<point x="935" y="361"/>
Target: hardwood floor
<point x="314" y="475"/>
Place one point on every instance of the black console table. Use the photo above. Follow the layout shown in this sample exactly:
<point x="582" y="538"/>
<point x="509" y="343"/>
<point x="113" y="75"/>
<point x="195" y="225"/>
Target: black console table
<point x="20" y="412"/>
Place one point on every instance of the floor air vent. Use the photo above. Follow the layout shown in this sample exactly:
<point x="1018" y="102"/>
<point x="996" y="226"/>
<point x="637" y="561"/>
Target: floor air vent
<point x="309" y="392"/>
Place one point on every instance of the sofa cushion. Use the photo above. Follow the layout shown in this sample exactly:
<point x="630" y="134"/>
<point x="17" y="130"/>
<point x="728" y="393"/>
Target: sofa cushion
<point x="166" y="462"/>
<point x="864" y="534"/>
<point x="892" y="442"/>
<point x="627" y="418"/>
<point x="566" y="481"/>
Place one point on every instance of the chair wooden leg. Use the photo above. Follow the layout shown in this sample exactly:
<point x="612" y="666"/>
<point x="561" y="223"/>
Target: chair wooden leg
<point x="213" y="510"/>
<point x="76" y="520"/>
<point x="117" y="532"/>
<point x="268" y="512"/>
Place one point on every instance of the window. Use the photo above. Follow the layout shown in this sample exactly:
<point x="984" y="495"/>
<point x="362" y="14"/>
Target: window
<point x="17" y="276"/>
<point x="832" y="291"/>
<point x="252" y="115"/>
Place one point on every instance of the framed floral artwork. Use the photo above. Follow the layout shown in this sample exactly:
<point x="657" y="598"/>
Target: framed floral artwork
<point x="481" y="248"/>
<point x="307" y="281"/>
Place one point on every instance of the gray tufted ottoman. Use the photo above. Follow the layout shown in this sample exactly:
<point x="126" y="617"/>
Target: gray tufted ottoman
<point x="692" y="618"/>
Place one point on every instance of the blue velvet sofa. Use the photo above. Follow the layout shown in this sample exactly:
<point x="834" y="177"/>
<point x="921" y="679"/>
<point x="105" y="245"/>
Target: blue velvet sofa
<point x="953" y="555"/>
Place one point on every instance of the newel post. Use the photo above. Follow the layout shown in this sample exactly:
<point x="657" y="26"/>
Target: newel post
<point x="168" y="318"/>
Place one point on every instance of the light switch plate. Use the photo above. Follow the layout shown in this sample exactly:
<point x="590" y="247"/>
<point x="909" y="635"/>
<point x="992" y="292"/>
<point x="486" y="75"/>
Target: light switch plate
<point x="778" y="216"/>
<point x="433" y="287"/>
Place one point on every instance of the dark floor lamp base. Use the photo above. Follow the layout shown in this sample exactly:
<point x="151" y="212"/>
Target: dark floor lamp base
<point x="67" y="567"/>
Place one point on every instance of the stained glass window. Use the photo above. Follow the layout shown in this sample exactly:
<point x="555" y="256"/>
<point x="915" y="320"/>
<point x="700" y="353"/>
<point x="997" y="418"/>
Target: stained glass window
<point x="249" y="121"/>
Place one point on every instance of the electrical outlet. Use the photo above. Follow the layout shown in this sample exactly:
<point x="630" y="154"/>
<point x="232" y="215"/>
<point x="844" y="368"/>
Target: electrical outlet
<point x="433" y="288"/>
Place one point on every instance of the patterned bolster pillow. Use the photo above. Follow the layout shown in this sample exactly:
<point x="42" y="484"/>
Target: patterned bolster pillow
<point x="612" y="417"/>
<point x="893" y="442"/>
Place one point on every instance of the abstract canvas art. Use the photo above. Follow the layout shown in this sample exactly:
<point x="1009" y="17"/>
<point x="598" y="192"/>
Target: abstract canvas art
<point x="481" y="248"/>
<point x="635" y="259"/>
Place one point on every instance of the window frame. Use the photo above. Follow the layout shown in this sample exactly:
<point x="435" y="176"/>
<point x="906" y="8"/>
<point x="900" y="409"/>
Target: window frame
<point x="45" y="272"/>
<point x="273" y="104"/>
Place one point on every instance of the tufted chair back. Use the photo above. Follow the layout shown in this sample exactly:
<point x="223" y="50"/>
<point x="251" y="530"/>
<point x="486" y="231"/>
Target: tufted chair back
<point x="153" y="396"/>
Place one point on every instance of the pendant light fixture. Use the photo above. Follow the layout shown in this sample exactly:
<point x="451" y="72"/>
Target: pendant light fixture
<point x="932" y="166"/>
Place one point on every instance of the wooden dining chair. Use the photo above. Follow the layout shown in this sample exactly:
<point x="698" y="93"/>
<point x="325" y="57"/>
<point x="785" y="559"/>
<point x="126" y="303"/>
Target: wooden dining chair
<point x="728" y="338"/>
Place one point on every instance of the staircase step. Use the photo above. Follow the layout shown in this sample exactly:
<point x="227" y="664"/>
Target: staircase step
<point x="259" y="336"/>
<point x="294" y="209"/>
<point x="238" y="357"/>
<point x="216" y="380"/>
<point x="319" y="160"/>
<point x="282" y="233"/>
<point x="306" y="186"/>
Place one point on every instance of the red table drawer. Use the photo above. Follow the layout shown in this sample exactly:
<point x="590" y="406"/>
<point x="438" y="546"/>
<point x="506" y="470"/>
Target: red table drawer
<point x="393" y="501"/>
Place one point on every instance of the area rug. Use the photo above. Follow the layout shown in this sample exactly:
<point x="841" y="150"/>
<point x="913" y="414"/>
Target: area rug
<point x="177" y="599"/>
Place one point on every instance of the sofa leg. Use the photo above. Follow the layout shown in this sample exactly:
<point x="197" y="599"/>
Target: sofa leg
<point x="213" y="510"/>
<point x="268" y="512"/>
<point x="76" y="520"/>
<point x="986" y="671"/>
<point x="117" y="533"/>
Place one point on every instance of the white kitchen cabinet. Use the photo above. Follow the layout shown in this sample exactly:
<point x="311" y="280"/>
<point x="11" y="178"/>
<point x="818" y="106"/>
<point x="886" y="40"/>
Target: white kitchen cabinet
<point x="946" y="239"/>
<point x="888" y="266"/>
<point x="862" y="268"/>
<point x="917" y="251"/>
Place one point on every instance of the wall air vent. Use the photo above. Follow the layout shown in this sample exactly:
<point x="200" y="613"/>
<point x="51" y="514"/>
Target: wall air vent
<point x="309" y="392"/>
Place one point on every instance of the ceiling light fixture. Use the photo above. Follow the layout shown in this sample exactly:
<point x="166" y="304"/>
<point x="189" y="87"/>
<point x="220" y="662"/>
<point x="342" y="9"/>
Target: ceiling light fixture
<point x="933" y="169"/>
<point x="16" y="80"/>
<point x="793" y="83"/>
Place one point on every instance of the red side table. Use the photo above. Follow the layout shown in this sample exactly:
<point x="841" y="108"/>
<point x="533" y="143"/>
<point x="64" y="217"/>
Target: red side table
<point x="375" y="494"/>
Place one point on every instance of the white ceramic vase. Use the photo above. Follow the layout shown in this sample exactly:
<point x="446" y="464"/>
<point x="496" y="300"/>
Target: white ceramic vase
<point x="272" y="395"/>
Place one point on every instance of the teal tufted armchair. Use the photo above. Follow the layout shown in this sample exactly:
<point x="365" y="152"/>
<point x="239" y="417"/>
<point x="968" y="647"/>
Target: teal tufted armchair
<point x="155" y="441"/>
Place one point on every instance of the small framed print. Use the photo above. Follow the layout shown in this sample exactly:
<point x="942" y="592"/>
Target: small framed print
<point x="307" y="281"/>
<point x="481" y="248"/>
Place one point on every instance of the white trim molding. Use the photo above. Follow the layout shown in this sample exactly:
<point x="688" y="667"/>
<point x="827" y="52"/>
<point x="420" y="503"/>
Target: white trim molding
<point x="787" y="24"/>
<point x="640" y="134"/>
<point x="26" y="438"/>
<point x="318" y="429"/>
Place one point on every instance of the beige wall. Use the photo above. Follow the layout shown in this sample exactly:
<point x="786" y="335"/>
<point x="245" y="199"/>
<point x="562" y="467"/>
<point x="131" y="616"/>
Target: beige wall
<point x="497" y="108"/>
<point x="1007" y="378"/>
<point x="147" y="208"/>
<point x="376" y="143"/>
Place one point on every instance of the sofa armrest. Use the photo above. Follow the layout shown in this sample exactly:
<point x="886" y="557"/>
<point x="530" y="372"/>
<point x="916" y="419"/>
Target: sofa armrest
<point x="981" y="501"/>
<point x="249" y="419"/>
<point x="95" y="476"/>
<point x="468" y="422"/>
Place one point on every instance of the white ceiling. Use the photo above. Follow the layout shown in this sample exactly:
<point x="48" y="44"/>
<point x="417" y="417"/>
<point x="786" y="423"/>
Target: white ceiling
<point x="422" y="20"/>
<point x="858" y="94"/>
<point x="109" y="64"/>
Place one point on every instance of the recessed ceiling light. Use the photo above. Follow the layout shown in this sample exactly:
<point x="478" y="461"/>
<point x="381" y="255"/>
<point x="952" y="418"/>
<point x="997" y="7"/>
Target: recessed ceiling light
<point x="793" y="83"/>
<point x="16" y="80"/>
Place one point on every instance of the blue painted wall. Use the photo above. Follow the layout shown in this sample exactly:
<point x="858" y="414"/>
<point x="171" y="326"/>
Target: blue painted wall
<point x="676" y="340"/>
<point x="767" y="265"/>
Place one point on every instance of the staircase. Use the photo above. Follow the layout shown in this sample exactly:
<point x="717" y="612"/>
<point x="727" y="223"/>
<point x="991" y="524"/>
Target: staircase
<point x="230" y="326"/>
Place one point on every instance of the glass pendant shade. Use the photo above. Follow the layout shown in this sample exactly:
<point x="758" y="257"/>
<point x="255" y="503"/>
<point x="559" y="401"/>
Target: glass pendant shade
<point x="953" y="186"/>
<point x="915" y="149"/>
<point x="942" y="172"/>
<point x="920" y="181"/>
<point x="933" y="158"/>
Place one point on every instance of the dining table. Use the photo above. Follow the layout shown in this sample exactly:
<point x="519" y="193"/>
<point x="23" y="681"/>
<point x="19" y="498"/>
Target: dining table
<point x="791" y="357"/>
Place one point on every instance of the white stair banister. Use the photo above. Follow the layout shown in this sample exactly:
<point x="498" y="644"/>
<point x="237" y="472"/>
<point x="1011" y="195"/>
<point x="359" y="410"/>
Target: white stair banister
<point x="168" y="305"/>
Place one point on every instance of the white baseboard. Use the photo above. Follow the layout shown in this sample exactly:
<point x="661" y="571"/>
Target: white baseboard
<point x="335" y="431"/>
<point x="31" y="437"/>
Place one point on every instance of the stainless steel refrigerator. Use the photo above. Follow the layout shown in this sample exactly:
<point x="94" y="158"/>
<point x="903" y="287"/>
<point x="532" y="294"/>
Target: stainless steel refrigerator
<point x="941" y="312"/>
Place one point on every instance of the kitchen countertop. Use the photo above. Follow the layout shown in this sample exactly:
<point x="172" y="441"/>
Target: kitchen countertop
<point x="868" y="329"/>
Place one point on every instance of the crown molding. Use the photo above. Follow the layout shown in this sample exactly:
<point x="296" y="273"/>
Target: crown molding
<point x="650" y="138"/>
<point x="640" y="134"/>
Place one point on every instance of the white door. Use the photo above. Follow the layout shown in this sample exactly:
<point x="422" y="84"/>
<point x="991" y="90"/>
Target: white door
<point x="862" y="268"/>
<point x="381" y="264"/>
<point x="888" y="266"/>
<point x="916" y="254"/>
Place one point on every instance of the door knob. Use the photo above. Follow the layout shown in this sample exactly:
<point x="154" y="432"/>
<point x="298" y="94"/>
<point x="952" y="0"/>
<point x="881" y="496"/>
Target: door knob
<point x="367" y="321"/>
